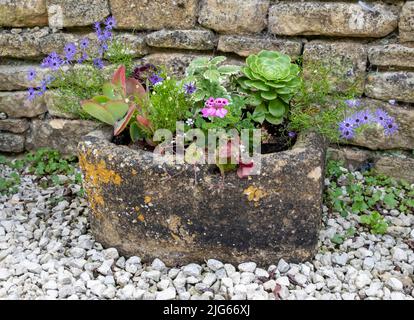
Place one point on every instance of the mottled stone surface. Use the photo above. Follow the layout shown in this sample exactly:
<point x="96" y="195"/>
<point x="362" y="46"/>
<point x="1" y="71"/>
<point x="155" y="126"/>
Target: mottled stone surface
<point x="19" y="45"/>
<point x="134" y="42"/>
<point x="133" y="211"/>
<point x="23" y="13"/>
<point x="16" y="105"/>
<point x="345" y="61"/>
<point x="14" y="77"/>
<point x="375" y="139"/>
<point x="14" y="125"/>
<point x="182" y="39"/>
<point x="393" y="55"/>
<point x="11" y="142"/>
<point x="73" y="13"/>
<point x="52" y="104"/>
<point x="234" y="16"/>
<point x="406" y="24"/>
<point x="59" y="134"/>
<point x="154" y="14"/>
<point x="396" y="166"/>
<point x="175" y="62"/>
<point x="247" y="45"/>
<point x="332" y="19"/>
<point x="390" y="85"/>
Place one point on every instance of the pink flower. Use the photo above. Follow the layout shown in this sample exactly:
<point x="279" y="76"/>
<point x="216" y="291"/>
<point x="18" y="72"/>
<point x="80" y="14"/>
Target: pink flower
<point x="215" y="107"/>
<point x="221" y="112"/>
<point x="208" y="112"/>
<point x="244" y="169"/>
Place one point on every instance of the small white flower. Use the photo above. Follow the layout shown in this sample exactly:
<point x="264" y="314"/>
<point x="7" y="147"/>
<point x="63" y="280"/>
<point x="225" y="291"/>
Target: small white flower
<point x="189" y="122"/>
<point x="168" y="78"/>
<point x="126" y="100"/>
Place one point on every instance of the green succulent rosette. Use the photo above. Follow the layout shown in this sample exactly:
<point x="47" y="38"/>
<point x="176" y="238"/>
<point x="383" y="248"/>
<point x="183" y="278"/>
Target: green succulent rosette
<point x="271" y="80"/>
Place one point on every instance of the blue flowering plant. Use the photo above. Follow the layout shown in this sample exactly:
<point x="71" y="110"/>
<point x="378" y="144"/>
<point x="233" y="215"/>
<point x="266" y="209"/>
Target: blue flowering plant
<point x="78" y="72"/>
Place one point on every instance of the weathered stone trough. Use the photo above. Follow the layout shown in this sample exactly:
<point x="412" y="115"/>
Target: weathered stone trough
<point x="151" y="211"/>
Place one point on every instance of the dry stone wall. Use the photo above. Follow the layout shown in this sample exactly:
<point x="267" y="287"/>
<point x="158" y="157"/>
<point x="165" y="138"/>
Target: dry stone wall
<point x="373" y="43"/>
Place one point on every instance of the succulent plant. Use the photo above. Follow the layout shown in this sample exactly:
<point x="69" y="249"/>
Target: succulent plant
<point x="271" y="80"/>
<point x="119" y="101"/>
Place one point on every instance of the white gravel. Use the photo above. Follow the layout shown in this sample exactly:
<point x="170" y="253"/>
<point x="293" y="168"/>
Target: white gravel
<point x="47" y="252"/>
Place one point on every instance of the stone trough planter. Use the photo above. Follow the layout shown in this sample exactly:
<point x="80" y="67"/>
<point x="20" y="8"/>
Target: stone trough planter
<point x="151" y="211"/>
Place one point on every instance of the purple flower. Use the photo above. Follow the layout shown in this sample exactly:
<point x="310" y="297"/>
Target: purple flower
<point x="348" y="123"/>
<point x="84" y="43"/>
<point x="110" y="23"/>
<point x="366" y="116"/>
<point x="347" y="133"/>
<point x="154" y="79"/>
<point x="292" y="134"/>
<point x="31" y="74"/>
<point x="390" y="127"/>
<point x="97" y="27"/>
<point x="83" y="57"/>
<point x="190" y="88"/>
<point x="98" y="63"/>
<point x="31" y="94"/>
<point x="381" y="116"/>
<point x="53" y="61"/>
<point x="352" y="103"/>
<point x="358" y="119"/>
<point x="70" y="51"/>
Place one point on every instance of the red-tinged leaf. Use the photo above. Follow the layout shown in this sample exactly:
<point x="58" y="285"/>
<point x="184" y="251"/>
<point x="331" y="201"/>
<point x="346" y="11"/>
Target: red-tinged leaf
<point x="118" y="79"/>
<point x="244" y="169"/>
<point x="121" y="124"/>
<point x="135" y="88"/>
<point x="143" y="121"/>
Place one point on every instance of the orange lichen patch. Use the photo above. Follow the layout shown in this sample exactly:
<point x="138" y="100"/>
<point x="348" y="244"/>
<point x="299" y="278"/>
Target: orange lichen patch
<point x="141" y="217"/>
<point x="134" y="172"/>
<point x="147" y="199"/>
<point x="95" y="174"/>
<point x="254" y="194"/>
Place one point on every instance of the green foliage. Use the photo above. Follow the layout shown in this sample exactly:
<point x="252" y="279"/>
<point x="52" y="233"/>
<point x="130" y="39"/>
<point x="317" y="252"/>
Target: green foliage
<point x="74" y="85"/>
<point x="45" y="162"/>
<point x="10" y="184"/>
<point x="366" y="195"/>
<point x="317" y="105"/>
<point x="210" y="78"/>
<point x="83" y="81"/>
<point x="166" y="105"/>
<point x="120" y="53"/>
<point x="271" y="80"/>
<point x="375" y="222"/>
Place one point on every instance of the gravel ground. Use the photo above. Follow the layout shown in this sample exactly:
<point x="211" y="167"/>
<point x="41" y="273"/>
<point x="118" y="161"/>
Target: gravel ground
<point x="47" y="252"/>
